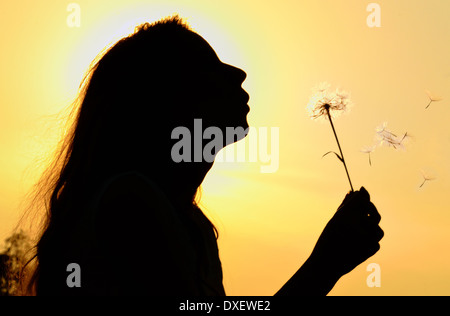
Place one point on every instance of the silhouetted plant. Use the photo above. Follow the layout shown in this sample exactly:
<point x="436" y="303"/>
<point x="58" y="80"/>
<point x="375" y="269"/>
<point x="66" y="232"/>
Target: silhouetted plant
<point x="11" y="262"/>
<point x="329" y="104"/>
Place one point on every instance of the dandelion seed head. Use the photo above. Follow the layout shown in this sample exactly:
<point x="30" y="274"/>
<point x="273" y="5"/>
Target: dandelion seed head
<point x="324" y="101"/>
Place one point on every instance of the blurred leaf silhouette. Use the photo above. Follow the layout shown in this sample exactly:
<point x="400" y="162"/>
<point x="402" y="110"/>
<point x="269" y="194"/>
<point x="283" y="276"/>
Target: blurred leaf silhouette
<point x="11" y="263"/>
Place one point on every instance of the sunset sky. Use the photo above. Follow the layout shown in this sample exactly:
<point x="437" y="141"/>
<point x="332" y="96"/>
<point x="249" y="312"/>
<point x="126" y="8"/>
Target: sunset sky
<point x="269" y="222"/>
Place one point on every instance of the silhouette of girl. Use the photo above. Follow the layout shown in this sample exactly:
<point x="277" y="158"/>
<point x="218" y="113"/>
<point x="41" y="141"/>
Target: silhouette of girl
<point x="123" y="210"/>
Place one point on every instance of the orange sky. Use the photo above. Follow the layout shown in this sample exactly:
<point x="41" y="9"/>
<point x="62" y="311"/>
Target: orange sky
<point x="269" y="222"/>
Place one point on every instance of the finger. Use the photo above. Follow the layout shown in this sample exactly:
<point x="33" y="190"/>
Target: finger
<point x="361" y="195"/>
<point x="369" y="248"/>
<point x="364" y="193"/>
<point x="374" y="233"/>
<point x="371" y="233"/>
<point x="352" y="212"/>
<point x="369" y="213"/>
<point x="357" y="205"/>
<point x="379" y="234"/>
<point x="372" y="249"/>
<point x="366" y="209"/>
<point x="350" y="195"/>
<point x="373" y="214"/>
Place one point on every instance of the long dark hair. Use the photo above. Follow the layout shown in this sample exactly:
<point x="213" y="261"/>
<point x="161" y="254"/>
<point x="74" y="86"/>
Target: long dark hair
<point x="108" y="120"/>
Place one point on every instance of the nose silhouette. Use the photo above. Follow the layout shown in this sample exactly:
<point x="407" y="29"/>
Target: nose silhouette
<point x="236" y="74"/>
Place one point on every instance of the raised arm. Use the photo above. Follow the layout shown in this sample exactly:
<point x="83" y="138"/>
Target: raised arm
<point x="350" y="237"/>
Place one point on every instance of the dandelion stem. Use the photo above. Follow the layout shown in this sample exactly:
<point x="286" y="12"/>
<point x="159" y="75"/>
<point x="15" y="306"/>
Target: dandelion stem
<point x="340" y="150"/>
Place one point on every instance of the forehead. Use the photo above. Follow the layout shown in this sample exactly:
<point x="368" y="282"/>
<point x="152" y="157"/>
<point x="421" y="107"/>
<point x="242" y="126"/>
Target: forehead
<point x="198" y="49"/>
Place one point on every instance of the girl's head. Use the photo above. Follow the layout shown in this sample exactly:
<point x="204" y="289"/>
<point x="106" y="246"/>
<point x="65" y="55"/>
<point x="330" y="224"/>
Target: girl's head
<point x="161" y="77"/>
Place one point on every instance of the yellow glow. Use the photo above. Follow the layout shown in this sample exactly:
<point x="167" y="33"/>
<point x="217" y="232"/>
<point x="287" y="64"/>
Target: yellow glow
<point x="269" y="222"/>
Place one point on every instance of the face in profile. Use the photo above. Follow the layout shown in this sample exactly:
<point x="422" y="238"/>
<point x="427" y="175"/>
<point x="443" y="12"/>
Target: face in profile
<point x="220" y="99"/>
<point x="155" y="82"/>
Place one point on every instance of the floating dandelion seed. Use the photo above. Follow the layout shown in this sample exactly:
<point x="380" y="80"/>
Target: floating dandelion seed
<point x="391" y="141"/>
<point x="329" y="104"/>
<point x="426" y="178"/>
<point x="382" y="129"/>
<point x="368" y="150"/>
<point x="432" y="98"/>
<point x="388" y="138"/>
<point x="406" y="137"/>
